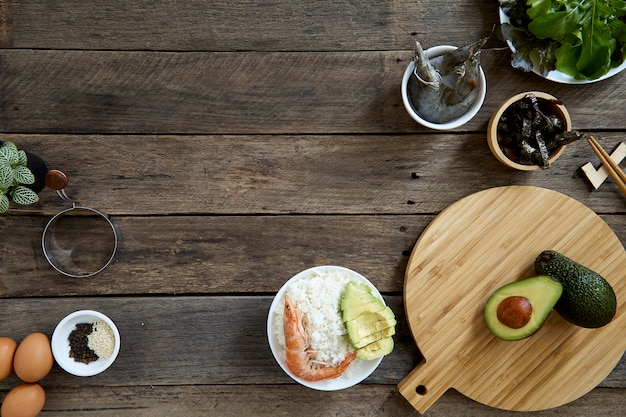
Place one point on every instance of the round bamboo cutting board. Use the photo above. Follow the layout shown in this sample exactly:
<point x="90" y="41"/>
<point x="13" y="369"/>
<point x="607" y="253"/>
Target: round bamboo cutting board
<point x="472" y="248"/>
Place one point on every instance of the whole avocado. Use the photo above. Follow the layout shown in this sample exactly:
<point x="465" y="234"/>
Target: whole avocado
<point x="588" y="300"/>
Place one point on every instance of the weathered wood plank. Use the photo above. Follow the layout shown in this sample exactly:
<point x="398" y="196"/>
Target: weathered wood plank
<point x="398" y="174"/>
<point x="195" y="341"/>
<point x="181" y="341"/>
<point x="273" y="400"/>
<point x="223" y="254"/>
<point x="184" y="255"/>
<point x="240" y="25"/>
<point x="241" y="93"/>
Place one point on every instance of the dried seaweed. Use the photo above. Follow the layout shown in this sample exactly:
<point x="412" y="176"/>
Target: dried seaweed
<point x="531" y="130"/>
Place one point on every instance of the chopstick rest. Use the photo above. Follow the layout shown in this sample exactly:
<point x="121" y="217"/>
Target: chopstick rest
<point x="597" y="177"/>
<point x="619" y="177"/>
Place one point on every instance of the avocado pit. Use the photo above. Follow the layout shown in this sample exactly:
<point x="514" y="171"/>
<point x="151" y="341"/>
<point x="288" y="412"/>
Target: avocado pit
<point x="514" y="312"/>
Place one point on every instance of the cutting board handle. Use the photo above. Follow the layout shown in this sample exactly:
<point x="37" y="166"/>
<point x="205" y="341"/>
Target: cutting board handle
<point x="424" y="385"/>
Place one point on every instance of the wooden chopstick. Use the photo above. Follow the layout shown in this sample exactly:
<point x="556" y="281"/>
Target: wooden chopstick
<point x="619" y="177"/>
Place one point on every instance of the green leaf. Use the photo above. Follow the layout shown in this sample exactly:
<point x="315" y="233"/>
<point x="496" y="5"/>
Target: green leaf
<point x="9" y="145"/>
<point x="23" y="159"/>
<point x="23" y="175"/>
<point x="567" y="56"/>
<point x="11" y="154"/>
<point x="24" y="195"/>
<point x="4" y="203"/>
<point x="615" y="8"/>
<point x="6" y="176"/>
<point x="597" y="48"/>
<point x="618" y="30"/>
<point x="588" y="36"/>
<point x="554" y="25"/>
<point x="3" y="159"/>
<point x="538" y="7"/>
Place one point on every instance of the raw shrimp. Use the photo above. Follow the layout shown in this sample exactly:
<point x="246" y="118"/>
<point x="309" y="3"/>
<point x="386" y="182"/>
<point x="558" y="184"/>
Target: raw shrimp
<point x="300" y="358"/>
<point x="454" y="60"/>
<point x="436" y="97"/>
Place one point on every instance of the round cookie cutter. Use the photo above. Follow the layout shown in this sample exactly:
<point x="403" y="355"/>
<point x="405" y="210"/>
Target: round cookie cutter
<point x="80" y="241"/>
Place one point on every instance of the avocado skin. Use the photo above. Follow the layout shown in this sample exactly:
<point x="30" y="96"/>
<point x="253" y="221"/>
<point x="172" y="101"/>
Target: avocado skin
<point x="588" y="300"/>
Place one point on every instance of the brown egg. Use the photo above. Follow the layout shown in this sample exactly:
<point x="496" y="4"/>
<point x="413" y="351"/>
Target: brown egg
<point x="33" y="358"/>
<point x="25" y="400"/>
<point x="7" y="351"/>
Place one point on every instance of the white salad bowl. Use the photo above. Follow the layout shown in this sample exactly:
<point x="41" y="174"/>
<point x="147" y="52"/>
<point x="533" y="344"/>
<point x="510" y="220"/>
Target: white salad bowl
<point x="358" y="370"/>
<point x="558" y="76"/>
<point x="454" y="123"/>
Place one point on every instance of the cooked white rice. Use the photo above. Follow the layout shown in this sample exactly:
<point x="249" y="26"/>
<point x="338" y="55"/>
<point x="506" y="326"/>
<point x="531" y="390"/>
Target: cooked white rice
<point x="319" y="296"/>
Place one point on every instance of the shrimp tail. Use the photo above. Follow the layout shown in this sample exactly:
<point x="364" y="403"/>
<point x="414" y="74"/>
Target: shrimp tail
<point x="300" y="358"/>
<point x="425" y="87"/>
<point x="426" y="74"/>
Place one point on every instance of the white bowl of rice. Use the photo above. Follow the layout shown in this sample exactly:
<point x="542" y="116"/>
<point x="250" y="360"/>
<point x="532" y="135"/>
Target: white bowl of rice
<point x="317" y="292"/>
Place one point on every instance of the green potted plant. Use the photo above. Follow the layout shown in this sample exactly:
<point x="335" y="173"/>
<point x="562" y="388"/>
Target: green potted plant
<point x="21" y="176"/>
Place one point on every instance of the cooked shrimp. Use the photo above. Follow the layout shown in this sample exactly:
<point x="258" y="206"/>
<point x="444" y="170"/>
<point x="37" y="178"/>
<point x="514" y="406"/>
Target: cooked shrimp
<point x="300" y="358"/>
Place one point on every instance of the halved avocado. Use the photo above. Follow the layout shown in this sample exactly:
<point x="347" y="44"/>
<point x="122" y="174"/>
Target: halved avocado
<point x="518" y="309"/>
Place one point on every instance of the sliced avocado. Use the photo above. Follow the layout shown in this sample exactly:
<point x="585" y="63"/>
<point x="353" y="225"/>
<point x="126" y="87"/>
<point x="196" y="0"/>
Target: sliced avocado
<point x="354" y="311"/>
<point x="357" y="299"/>
<point x="376" y="349"/>
<point x="369" y="323"/>
<point x="518" y="309"/>
<point x="356" y="293"/>
<point x="354" y="287"/>
<point x="374" y="336"/>
<point x="384" y="315"/>
<point x="588" y="300"/>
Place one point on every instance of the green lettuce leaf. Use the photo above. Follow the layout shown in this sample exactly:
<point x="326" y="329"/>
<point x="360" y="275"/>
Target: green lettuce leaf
<point x="582" y="38"/>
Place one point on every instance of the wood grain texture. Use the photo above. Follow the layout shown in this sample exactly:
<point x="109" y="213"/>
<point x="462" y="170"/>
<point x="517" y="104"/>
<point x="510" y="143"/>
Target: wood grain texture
<point x="285" y="174"/>
<point x="262" y="401"/>
<point x="221" y="254"/>
<point x="234" y="92"/>
<point x="237" y="143"/>
<point x="191" y="340"/>
<point x="195" y="340"/>
<point x="457" y="263"/>
<point x="184" y="355"/>
<point x="281" y="25"/>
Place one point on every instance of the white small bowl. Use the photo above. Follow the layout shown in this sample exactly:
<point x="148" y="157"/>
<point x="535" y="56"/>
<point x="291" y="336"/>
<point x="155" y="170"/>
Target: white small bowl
<point x="61" y="345"/>
<point x="358" y="370"/>
<point x="459" y="121"/>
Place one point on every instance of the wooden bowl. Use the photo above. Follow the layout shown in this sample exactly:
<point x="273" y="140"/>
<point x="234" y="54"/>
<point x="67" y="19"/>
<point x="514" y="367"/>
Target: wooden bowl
<point x="494" y="139"/>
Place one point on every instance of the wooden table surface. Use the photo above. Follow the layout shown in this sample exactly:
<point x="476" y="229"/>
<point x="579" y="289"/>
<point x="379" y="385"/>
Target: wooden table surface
<point x="236" y="143"/>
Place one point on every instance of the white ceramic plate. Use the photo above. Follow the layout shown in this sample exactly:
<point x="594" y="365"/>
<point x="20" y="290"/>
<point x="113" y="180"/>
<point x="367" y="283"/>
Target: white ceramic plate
<point x="558" y="76"/>
<point x="358" y="370"/>
<point x="61" y="345"/>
